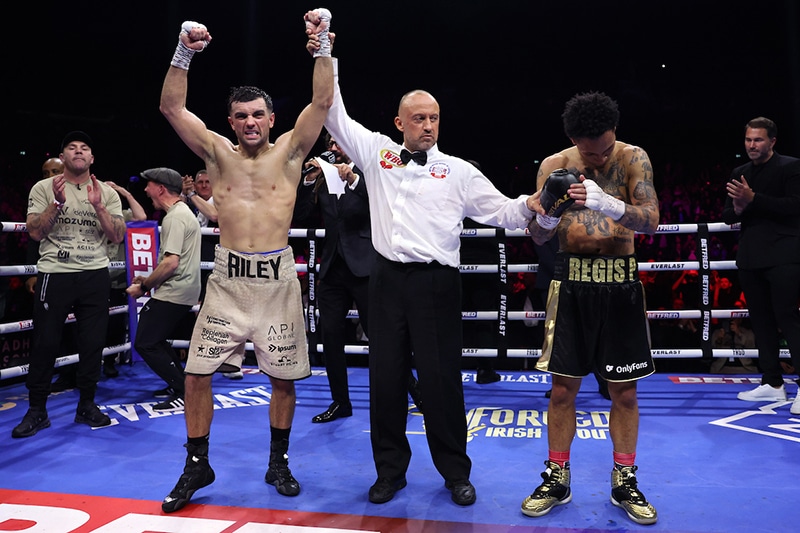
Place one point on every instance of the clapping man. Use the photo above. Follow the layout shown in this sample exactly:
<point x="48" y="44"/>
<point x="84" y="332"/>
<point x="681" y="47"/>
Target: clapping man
<point x="764" y="196"/>
<point x="73" y="216"/>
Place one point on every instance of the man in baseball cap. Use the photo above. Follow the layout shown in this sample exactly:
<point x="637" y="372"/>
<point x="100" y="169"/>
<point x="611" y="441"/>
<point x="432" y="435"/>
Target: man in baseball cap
<point x="73" y="216"/>
<point x="76" y="136"/>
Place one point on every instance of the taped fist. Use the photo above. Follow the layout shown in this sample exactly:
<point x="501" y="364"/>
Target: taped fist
<point x="197" y="36"/>
<point x="318" y="20"/>
<point x="598" y="200"/>
<point x="194" y="37"/>
<point x="555" y="192"/>
<point x="318" y="23"/>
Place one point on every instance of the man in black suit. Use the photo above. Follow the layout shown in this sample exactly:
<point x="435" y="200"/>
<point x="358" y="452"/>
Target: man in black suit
<point x="764" y="195"/>
<point x="345" y="264"/>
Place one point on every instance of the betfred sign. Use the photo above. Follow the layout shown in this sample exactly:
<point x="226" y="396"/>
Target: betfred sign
<point x="141" y="253"/>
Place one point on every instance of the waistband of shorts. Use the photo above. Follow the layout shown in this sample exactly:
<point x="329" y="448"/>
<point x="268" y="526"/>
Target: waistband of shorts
<point x="416" y="265"/>
<point x="254" y="267"/>
<point x="79" y="271"/>
<point x="596" y="269"/>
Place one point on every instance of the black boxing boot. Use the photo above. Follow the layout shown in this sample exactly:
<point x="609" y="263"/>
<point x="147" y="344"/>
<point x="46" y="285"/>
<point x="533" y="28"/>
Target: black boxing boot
<point x="196" y="474"/>
<point x="278" y="473"/>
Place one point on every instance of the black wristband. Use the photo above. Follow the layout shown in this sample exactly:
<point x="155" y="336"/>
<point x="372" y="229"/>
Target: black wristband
<point x="143" y="287"/>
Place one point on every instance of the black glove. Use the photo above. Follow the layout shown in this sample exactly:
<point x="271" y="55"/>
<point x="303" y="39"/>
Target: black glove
<point x="554" y="197"/>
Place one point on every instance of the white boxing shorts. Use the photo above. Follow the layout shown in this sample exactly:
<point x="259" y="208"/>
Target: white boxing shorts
<point x="255" y="297"/>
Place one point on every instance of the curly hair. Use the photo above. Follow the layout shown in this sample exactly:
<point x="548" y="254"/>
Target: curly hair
<point x="589" y="115"/>
<point x="248" y="93"/>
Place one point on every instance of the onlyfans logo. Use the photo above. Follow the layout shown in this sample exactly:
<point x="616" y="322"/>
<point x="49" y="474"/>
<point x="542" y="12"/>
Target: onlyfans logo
<point x="627" y="368"/>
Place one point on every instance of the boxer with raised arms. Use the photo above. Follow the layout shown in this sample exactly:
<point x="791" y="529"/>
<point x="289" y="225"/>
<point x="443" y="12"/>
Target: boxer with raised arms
<point x="253" y="292"/>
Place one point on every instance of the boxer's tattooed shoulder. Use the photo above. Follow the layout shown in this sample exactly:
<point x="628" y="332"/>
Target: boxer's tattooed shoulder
<point x="644" y="192"/>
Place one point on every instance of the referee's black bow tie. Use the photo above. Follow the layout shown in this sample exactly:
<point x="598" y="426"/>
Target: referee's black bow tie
<point x="420" y="157"/>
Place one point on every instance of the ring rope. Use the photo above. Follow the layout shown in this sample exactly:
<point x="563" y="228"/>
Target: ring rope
<point x="28" y="270"/>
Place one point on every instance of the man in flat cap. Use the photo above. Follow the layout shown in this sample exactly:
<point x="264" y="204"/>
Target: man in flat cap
<point x="176" y="280"/>
<point x="73" y="216"/>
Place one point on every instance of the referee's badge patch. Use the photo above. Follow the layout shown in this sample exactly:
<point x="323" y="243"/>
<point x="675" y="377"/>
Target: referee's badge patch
<point x="439" y="170"/>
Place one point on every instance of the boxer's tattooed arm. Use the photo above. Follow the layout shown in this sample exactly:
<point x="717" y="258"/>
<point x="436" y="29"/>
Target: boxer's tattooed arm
<point x="539" y="178"/>
<point x="641" y="213"/>
<point x="539" y="234"/>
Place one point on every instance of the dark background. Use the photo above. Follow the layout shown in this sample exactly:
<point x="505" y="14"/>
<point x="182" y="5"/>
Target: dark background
<point x="687" y="75"/>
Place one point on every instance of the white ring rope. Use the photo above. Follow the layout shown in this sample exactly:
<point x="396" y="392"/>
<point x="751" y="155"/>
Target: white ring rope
<point x="29" y="270"/>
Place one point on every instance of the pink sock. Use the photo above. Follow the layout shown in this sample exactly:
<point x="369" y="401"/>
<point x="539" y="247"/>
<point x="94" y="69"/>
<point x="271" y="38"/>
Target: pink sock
<point x="624" y="459"/>
<point x="559" y="458"/>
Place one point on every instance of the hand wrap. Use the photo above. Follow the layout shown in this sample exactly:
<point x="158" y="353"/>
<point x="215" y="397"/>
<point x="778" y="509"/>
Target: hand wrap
<point x="189" y="25"/>
<point x="598" y="200"/>
<point x="324" y="37"/>
<point x="183" y="54"/>
<point x="546" y="222"/>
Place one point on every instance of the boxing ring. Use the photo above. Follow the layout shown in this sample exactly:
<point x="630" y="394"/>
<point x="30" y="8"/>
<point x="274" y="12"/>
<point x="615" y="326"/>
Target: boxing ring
<point x="706" y="314"/>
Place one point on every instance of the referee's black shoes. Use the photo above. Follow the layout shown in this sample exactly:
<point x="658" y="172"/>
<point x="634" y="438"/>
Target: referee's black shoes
<point x="384" y="489"/>
<point x="463" y="493"/>
<point x="334" y="411"/>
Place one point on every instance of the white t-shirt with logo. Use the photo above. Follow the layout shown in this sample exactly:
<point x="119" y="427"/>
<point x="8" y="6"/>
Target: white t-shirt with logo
<point x="77" y="241"/>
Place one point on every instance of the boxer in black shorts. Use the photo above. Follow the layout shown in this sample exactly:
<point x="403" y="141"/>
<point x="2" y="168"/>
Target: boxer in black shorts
<point x="596" y="195"/>
<point x="591" y="300"/>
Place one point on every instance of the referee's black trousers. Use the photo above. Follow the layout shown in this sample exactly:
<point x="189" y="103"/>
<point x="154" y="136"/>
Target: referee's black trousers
<point x="415" y="308"/>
